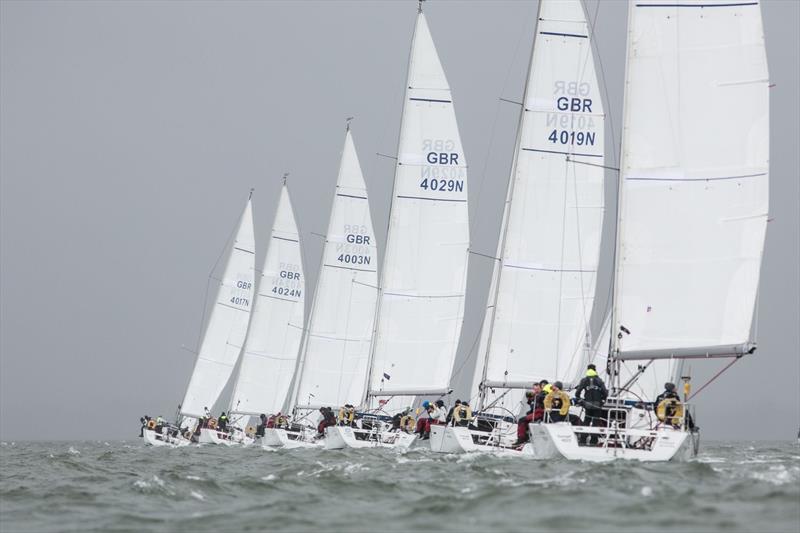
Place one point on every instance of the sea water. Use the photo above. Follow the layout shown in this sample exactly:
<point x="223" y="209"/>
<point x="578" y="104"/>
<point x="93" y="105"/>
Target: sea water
<point x="125" y="486"/>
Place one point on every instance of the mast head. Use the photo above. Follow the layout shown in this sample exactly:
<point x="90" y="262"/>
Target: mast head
<point x="251" y="193"/>
<point x="285" y="175"/>
<point x="419" y="6"/>
<point x="347" y="123"/>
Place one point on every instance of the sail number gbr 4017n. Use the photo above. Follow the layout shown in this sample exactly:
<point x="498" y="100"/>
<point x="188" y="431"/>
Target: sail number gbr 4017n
<point x="441" y="170"/>
<point x="571" y="123"/>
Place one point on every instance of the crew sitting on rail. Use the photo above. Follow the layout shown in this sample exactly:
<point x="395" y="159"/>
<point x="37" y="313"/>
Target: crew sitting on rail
<point x="594" y="396"/>
<point x="462" y="415"/>
<point x="423" y="428"/>
<point x="556" y="403"/>
<point x="439" y="414"/>
<point x="449" y="417"/>
<point x="668" y="406"/>
<point x="346" y="415"/>
<point x="535" y="400"/>
<point x="328" y="419"/>
<point x="262" y="426"/>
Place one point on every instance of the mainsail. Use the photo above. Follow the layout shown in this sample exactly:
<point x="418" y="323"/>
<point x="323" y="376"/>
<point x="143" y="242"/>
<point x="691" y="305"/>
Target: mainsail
<point x="333" y="366"/>
<point x="694" y="180"/>
<point x="227" y="325"/>
<point x="543" y="283"/>
<point x="421" y="303"/>
<point x="273" y="341"/>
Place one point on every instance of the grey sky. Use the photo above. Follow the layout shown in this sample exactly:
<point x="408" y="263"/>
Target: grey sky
<point x="130" y="134"/>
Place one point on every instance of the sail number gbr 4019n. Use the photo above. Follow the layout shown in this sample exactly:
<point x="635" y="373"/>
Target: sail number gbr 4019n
<point x="571" y="123"/>
<point x="441" y="170"/>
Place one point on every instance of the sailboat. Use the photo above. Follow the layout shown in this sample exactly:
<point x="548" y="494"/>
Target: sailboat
<point x="271" y="350"/>
<point x="422" y="285"/>
<point x="536" y="323"/>
<point x="335" y="350"/>
<point x="223" y="337"/>
<point x="693" y="206"/>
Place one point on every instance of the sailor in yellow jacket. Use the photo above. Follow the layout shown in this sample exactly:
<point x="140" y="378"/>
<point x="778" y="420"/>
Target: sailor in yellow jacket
<point x="556" y="403"/>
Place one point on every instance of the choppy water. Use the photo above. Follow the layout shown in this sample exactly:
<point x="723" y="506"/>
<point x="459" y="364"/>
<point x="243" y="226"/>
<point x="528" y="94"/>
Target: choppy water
<point x="123" y="486"/>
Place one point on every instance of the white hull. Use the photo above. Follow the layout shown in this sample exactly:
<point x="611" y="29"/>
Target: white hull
<point x="151" y="438"/>
<point x="454" y="439"/>
<point x="212" y="436"/>
<point x="281" y="438"/>
<point x="551" y="441"/>
<point x="340" y="437"/>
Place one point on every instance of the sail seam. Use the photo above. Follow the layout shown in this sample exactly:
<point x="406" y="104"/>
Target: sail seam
<point x="561" y="153"/>
<point x="700" y="179"/>
<point x="563" y="34"/>
<point x="431" y="199"/>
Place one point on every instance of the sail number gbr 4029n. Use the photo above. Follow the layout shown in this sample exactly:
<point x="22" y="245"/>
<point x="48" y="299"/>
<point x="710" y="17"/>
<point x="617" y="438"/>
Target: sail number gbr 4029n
<point x="441" y="170"/>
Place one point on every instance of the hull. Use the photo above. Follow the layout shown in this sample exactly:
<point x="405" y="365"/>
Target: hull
<point x="151" y="438"/>
<point x="453" y="439"/>
<point x="340" y="437"/>
<point x="212" y="436"/>
<point x="281" y="438"/>
<point x="560" y="440"/>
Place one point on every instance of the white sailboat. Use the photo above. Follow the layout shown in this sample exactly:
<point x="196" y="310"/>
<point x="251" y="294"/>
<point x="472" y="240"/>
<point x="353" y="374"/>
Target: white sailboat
<point x="692" y="212"/>
<point x="536" y="321"/>
<point x="421" y="299"/>
<point x="224" y="334"/>
<point x="335" y="352"/>
<point x="273" y="340"/>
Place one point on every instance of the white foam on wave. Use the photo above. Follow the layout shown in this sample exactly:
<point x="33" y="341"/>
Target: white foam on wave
<point x="194" y="478"/>
<point x="778" y="475"/>
<point x="647" y="491"/>
<point x="73" y="451"/>
<point x="271" y="477"/>
<point x="197" y="496"/>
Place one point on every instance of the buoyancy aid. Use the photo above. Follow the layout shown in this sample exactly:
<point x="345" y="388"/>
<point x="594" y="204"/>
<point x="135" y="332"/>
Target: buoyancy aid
<point x="557" y="401"/>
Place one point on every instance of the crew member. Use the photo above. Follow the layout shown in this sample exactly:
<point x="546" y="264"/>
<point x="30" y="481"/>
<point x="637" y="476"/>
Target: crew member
<point x="262" y="426"/>
<point x="439" y="414"/>
<point x="423" y="428"/>
<point x="450" y="413"/>
<point x="594" y="396"/>
<point x="222" y="422"/>
<point x="462" y="415"/>
<point x="328" y="419"/>
<point x="556" y="403"/>
<point x="346" y="415"/>
<point x="535" y="401"/>
<point x="672" y="401"/>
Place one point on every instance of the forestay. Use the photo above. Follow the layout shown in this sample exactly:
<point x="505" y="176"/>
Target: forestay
<point x="425" y="266"/>
<point x="544" y="279"/>
<point x="273" y="341"/>
<point x="694" y="178"/>
<point x="227" y="324"/>
<point x="333" y="368"/>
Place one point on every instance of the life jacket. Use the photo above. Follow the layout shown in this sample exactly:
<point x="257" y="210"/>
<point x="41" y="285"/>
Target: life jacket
<point x="408" y="423"/>
<point x="462" y="413"/>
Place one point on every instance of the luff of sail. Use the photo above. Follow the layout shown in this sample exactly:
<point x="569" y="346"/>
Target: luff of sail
<point x="227" y="324"/>
<point x="273" y="341"/>
<point x="694" y="179"/>
<point x="543" y="282"/>
<point x="424" y="275"/>
<point x="333" y="366"/>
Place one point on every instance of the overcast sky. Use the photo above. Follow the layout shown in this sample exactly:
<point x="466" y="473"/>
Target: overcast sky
<point x="130" y="134"/>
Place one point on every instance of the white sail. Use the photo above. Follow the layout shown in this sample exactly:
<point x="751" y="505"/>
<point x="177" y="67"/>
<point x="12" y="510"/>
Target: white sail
<point x="227" y="325"/>
<point x="273" y="341"/>
<point x="333" y="368"/>
<point x="544" y="279"/>
<point x="425" y="266"/>
<point x="694" y="178"/>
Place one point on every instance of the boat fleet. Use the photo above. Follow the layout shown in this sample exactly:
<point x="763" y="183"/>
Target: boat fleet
<point x="690" y="223"/>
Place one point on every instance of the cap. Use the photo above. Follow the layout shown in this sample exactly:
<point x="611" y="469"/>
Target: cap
<point x="669" y="386"/>
<point x="591" y="366"/>
<point x="426" y="403"/>
<point x="558" y="385"/>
